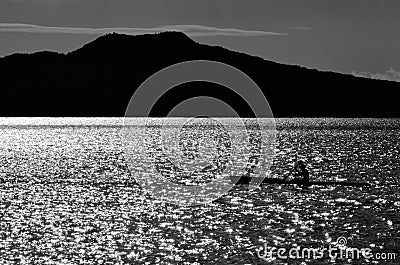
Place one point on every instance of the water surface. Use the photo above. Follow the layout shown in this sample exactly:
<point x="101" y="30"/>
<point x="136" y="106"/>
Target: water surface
<point x="68" y="197"/>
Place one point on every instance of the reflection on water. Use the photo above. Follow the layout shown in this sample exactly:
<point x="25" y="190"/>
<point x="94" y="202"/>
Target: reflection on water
<point x="67" y="196"/>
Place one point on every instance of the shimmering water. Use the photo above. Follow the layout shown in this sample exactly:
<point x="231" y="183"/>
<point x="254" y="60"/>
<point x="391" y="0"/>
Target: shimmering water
<point x="68" y="197"/>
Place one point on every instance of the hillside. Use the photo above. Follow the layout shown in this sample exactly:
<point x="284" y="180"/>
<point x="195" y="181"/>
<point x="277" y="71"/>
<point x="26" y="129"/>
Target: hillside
<point x="100" y="78"/>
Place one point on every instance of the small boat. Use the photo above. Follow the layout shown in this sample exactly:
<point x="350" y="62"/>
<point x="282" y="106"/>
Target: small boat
<point x="246" y="180"/>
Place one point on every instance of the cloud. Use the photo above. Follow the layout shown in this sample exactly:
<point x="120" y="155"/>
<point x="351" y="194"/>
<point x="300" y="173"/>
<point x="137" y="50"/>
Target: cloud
<point x="202" y="31"/>
<point x="191" y="30"/>
<point x="301" y="28"/>
<point x="390" y="75"/>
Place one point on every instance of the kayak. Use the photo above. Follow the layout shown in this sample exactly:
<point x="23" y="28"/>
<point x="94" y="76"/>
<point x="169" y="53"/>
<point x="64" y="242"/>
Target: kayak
<point x="246" y="180"/>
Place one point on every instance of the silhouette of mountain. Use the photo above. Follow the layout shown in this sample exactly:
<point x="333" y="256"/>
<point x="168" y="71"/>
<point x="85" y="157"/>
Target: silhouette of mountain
<point x="100" y="78"/>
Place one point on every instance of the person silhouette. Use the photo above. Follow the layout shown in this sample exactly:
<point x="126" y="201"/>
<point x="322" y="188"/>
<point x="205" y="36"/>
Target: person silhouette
<point x="301" y="170"/>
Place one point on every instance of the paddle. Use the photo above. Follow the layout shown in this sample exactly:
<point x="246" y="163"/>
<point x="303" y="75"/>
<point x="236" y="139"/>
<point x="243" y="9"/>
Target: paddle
<point x="290" y="173"/>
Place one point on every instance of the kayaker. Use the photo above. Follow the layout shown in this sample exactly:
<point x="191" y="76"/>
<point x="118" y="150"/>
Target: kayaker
<point x="301" y="170"/>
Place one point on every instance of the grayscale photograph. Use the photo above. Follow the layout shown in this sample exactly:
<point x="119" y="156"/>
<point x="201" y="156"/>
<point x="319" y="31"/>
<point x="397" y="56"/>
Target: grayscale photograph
<point x="199" y="132"/>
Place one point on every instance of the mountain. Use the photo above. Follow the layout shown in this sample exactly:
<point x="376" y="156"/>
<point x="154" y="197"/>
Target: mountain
<point x="100" y="78"/>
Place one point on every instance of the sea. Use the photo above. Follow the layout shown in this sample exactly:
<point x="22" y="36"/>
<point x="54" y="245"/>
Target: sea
<point x="68" y="195"/>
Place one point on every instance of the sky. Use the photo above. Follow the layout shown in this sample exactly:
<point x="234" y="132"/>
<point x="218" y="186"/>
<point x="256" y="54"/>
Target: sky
<point x="350" y="36"/>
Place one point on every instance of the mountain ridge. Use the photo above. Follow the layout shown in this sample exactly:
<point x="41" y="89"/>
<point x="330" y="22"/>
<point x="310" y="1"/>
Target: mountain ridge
<point x="188" y="38"/>
<point x="80" y="82"/>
